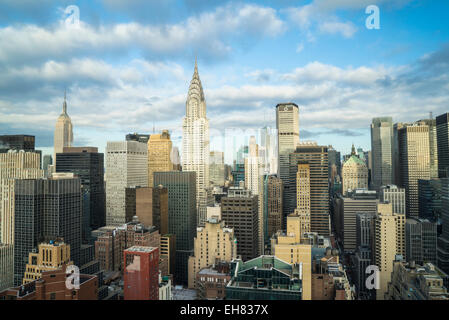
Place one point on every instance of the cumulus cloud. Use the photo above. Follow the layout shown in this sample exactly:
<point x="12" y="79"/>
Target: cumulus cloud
<point x="209" y="32"/>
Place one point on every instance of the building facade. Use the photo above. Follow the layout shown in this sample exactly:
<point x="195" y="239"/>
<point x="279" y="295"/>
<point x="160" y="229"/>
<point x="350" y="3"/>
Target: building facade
<point x="126" y="166"/>
<point x="382" y="151"/>
<point x="159" y="155"/>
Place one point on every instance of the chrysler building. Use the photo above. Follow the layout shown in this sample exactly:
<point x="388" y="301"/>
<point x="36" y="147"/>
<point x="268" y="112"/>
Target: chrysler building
<point x="195" y="143"/>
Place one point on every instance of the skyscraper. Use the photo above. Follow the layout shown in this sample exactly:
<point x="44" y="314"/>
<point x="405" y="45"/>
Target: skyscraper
<point x="63" y="131"/>
<point x="382" y="150"/>
<point x="355" y="173"/>
<point x="216" y="168"/>
<point x="302" y="210"/>
<point x="394" y="195"/>
<point x="274" y="205"/>
<point x="195" y="143"/>
<point x="182" y="216"/>
<point x="316" y="157"/>
<point x="442" y="124"/>
<point x="414" y="161"/>
<point x="421" y="241"/>
<point x="159" y="154"/>
<point x="88" y="164"/>
<point x="213" y="243"/>
<point x="389" y="241"/>
<point x="254" y="182"/>
<point x="46" y="209"/>
<point x="433" y="149"/>
<point x="239" y="210"/>
<point x="126" y="166"/>
<point x="16" y="142"/>
<point x="287" y="124"/>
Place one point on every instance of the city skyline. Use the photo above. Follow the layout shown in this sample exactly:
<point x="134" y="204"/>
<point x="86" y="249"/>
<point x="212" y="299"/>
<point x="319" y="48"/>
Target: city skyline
<point x="252" y="56"/>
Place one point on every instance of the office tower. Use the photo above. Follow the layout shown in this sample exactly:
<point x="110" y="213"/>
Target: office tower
<point x="46" y="163"/>
<point x="88" y="165"/>
<point x="395" y="196"/>
<point x="195" y="143"/>
<point x="182" y="215"/>
<point x="316" y="157"/>
<point x="355" y="173"/>
<point x="414" y="162"/>
<point x="46" y="209"/>
<point x="382" y="150"/>
<point x="429" y="198"/>
<point x="213" y="242"/>
<point x="50" y="256"/>
<point x="291" y="248"/>
<point x="175" y="159"/>
<point x="334" y="168"/>
<point x="126" y="166"/>
<point x="216" y="168"/>
<point x="137" y="137"/>
<point x="238" y="172"/>
<point x="274" y="205"/>
<point x="254" y="182"/>
<point x="6" y="266"/>
<point x="275" y="278"/>
<point x="159" y="154"/>
<point x="239" y="210"/>
<point x="433" y="149"/>
<point x="359" y="201"/>
<point x="141" y="273"/>
<point x="389" y="241"/>
<point x="443" y="239"/>
<point x="268" y="146"/>
<point x="421" y="241"/>
<point x="152" y="207"/>
<point x="411" y="281"/>
<point x="63" y="131"/>
<point x="303" y="198"/>
<point x="363" y="255"/>
<point x="168" y="249"/>
<point x="287" y="124"/>
<point x="16" y="142"/>
<point x="14" y="165"/>
<point x="442" y="129"/>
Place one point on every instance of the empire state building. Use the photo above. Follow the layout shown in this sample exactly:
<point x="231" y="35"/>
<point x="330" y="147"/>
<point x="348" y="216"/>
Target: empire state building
<point x="63" y="132"/>
<point x="195" y="143"/>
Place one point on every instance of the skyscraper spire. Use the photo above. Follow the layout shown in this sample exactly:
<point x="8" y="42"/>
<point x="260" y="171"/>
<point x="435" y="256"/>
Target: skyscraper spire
<point x="64" y="105"/>
<point x="353" y="150"/>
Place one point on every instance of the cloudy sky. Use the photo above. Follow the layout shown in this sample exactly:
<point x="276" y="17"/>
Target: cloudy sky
<point x="127" y="65"/>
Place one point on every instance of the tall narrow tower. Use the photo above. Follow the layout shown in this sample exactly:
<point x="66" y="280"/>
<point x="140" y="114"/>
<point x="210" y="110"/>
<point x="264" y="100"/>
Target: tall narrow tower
<point x="195" y="142"/>
<point x="63" y="131"/>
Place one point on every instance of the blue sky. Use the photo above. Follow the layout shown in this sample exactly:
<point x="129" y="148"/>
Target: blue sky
<point x="128" y="64"/>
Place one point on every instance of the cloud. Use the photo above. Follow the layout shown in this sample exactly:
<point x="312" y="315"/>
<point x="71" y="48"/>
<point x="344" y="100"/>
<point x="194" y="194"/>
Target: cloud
<point x="209" y="33"/>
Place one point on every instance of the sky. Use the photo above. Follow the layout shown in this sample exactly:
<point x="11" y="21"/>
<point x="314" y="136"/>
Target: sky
<point x="126" y="66"/>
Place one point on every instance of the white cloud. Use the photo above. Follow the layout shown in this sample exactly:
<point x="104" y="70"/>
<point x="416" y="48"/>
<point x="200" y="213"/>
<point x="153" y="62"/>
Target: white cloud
<point x="209" y="32"/>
